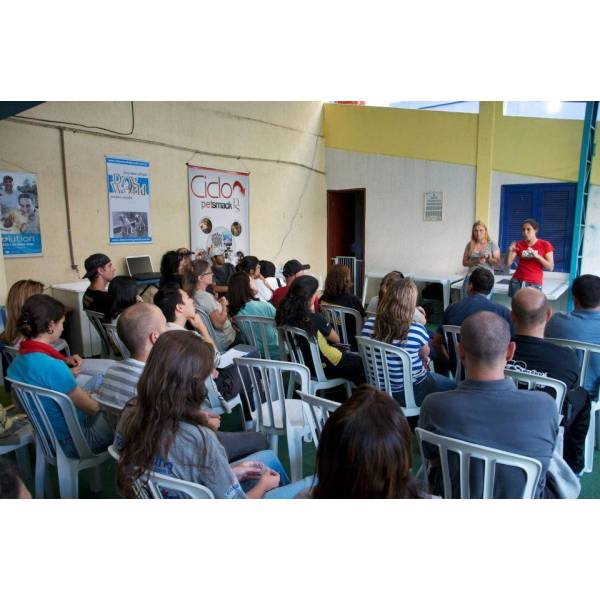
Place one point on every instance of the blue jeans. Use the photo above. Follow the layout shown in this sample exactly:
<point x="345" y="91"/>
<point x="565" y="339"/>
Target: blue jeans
<point x="516" y="284"/>
<point x="286" y="490"/>
<point x="433" y="382"/>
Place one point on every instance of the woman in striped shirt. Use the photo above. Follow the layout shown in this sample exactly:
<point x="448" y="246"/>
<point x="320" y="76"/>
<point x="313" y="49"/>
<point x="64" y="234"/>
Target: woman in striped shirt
<point x="394" y="324"/>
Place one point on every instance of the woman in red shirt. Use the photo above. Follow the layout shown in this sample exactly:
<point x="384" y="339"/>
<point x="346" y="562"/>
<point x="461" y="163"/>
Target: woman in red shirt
<point x="534" y="256"/>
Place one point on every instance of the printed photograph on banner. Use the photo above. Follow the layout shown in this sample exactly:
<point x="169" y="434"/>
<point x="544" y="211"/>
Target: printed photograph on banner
<point x="219" y="211"/>
<point x="128" y="182"/>
<point x="19" y="215"/>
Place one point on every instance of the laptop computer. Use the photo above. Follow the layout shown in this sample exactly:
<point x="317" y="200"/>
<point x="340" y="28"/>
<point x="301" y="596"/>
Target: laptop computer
<point x="140" y="267"/>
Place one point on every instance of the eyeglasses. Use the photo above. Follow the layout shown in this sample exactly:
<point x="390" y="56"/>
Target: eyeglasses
<point x="207" y="273"/>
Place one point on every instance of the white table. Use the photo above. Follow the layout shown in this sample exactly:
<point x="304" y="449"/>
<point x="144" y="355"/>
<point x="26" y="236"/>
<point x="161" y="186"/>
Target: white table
<point x="82" y="337"/>
<point x="373" y="279"/>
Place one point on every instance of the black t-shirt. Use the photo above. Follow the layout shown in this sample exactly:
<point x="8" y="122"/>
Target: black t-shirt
<point x="221" y="275"/>
<point x="557" y="362"/>
<point x="96" y="300"/>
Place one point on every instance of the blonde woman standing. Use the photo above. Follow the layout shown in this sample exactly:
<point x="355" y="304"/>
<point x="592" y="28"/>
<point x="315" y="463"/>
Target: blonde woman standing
<point x="480" y="251"/>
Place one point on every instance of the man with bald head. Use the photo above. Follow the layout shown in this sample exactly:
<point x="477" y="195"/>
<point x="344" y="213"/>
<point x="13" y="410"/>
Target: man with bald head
<point x="489" y="410"/>
<point x="530" y="313"/>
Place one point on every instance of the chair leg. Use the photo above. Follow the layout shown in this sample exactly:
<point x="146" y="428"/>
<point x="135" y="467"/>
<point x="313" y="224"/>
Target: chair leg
<point x="41" y="471"/>
<point x="95" y="480"/>
<point x="294" y="441"/>
<point x="597" y="418"/>
<point x="589" y="447"/>
<point x="23" y="462"/>
<point x="68" y="478"/>
<point x="274" y="442"/>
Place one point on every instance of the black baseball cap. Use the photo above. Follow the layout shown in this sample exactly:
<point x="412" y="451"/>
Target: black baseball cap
<point x="292" y="267"/>
<point x="93" y="263"/>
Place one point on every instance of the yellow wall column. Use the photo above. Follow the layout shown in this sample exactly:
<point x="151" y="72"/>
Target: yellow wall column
<point x="488" y="113"/>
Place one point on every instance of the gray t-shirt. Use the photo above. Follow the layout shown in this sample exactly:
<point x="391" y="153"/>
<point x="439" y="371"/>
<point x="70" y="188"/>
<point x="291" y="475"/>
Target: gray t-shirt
<point x="208" y="303"/>
<point x="487" y="251"/>
<point x="195" y="455"/>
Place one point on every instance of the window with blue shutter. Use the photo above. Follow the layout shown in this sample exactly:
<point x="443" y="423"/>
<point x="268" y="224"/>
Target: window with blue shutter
<point x="552" y="205"/>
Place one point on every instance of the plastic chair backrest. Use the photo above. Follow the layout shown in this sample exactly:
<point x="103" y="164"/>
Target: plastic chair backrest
<point x="111" y="331"/>
<point x="255" y="329"/>
<point x="97" y="319"/>
<point x="490" y="458"/>
<point x="266" y="377"/>
<point x="152" y="484"/>
<point x="452" y="333"/>
<point x="584" y="351"/>
<point x="30" y="397"/>
<point x="336" y="316"/>
<point x="290" y="339"/>
<point x="318" y="411"/>
<point x="533" y="381"/>
<point x="375" y="357"/>
<point x="211" y="329"/>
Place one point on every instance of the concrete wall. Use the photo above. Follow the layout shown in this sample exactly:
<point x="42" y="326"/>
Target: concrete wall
<point x="279" y="143"/>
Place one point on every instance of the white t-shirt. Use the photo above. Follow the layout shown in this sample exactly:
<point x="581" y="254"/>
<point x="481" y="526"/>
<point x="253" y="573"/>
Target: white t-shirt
<point x="264" y="293"/>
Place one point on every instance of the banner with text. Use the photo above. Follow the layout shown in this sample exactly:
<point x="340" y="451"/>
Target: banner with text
<point x="128" y="200"/>
<point x="219" y="214"/>
<point x="19" y="216"/>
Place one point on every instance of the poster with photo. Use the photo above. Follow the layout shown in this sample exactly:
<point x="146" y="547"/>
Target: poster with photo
<point x="19" y="215"/>
<point x="128" y="182"/>
<point x="219" y="214"/>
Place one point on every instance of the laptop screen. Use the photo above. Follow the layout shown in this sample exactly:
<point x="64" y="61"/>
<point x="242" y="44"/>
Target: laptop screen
<point x="139" y="264"/>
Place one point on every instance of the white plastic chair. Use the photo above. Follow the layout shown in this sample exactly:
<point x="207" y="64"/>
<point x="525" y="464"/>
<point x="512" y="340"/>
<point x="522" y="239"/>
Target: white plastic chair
<point x="318" y="411"/>
<point x="216" y="403"/>
<point x="451" y="333"/>
<point x="375" y="357"/>
<point x="152" y="484"/>
<point x="533" y="381"/>
<point x="211" y="329"/>
<point x="337" y="317"/>
<point x="47" y="448"/>
<point x="289" y="339"/>
<point x="97" y="320"/>
<point x="584" y="351"/>
<point x="490" y="458"/>
<point x="276" y="413"/>
<point x="111" y="331"/>
<point x="255" y="330"/>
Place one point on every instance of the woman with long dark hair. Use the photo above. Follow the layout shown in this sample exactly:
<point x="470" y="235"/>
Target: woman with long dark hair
<point x="172" y="267"/>
<point x="122" y="293"/>
<point x="251" y="265"/>
<point x="394" y="324"/>
<point x="38" y="363"/>
<point x="164" y="429"/>
<point x="365" y="450"/>
<point x="242" y="302"/>
<point x="297" y="310"/>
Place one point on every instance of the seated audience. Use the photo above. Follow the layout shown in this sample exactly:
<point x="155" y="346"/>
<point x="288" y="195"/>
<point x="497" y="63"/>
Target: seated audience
<point x="242" y="302"/>
<point x="251" y="265"/>
<point x="297" y="310"/>
<point x="139" y="328"/>
<point x="186" y="258"/>
<point x="222" y="271"/>
<point x="11" y="485"/>
<point x="338" y="291"/>
<point x="100" y="271"/>
<point x="489" y="410"/>
<point x="481" y="282"/>
<point x="18" y="293"/>
<point x="530" y="313"/>
<point x="196" y="282"/>
<point x="365" y="451"/>
<point x="387" y="279"/>
<point x="267" y="270"/>
<point x="172" y="268"/>
<point x="582" y="324"/>
<point x="166" y="431"/>
<point x="38" y="363"/>
<point x="291" y="271"/>
<point x="122" y="293"/>
<point x="394" y="324"/>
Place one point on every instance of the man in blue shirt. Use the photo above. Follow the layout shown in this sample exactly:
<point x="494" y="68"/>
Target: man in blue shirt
<point x="481" y="282"/>
<point x="582" y="324"/>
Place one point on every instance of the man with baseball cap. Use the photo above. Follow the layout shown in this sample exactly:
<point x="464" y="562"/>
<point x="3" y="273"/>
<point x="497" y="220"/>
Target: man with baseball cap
<point x="222" y="271"/>
<point x="99" y="270"/>
<point x="291" y="270"/>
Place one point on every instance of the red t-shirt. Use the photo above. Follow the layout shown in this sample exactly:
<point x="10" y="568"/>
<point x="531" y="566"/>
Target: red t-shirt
<point x="530" y="269"/>
<point x="280" y="293"/>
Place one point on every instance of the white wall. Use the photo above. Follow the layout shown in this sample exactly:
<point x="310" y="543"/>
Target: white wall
<point x="397" y="237"/>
